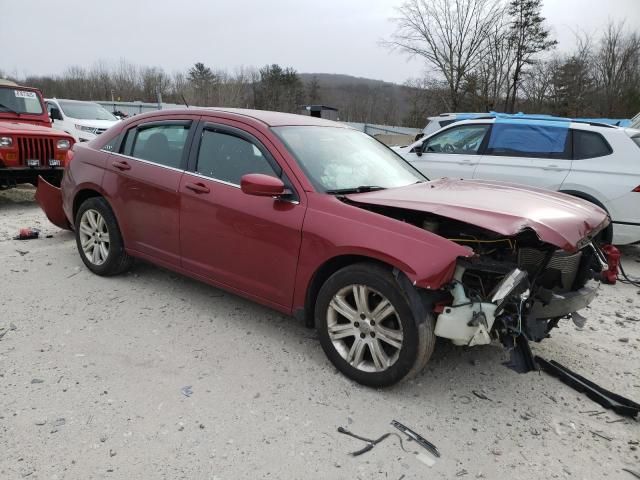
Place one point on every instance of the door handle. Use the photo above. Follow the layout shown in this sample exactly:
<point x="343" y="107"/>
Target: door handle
<point x="466" y="162"/>
<point x="121" y="165"/>
<point x="551" y="167"/>
<point x="197" y="187"/>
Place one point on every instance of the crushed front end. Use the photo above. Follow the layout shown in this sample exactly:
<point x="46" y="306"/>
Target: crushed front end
<point x="516" y="289"/>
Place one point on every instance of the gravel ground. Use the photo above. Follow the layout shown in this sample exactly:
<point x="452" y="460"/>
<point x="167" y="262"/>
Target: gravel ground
<point x="93" y="370"/>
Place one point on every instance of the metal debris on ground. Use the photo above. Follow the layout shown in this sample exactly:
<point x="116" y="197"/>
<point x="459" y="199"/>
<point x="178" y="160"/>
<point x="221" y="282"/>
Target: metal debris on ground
<point x="186" y="391"/>
<point x="5" y="330"/>
<point x="632" y="472"/>
<point x="605" y="398"/>
<point x="481" y="395"/>
<point x="370" y="442"/>
<point x="600" y="435"/>
<point x="419" y="439"/>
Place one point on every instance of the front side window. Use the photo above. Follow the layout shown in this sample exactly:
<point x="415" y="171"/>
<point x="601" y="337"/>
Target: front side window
<point x="342" y="158"/>
<point x="589" y="145"/>
<point x="85" y="111"/>
<point x="15" y="100"/>
<point x="465" y="139"/>
<point x="161" y="144"/>
<point x="227" y="157"/>
<point x="536" y="140"/>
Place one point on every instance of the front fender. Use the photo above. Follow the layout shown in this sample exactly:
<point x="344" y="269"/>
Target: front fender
<point x="337" y="230"/>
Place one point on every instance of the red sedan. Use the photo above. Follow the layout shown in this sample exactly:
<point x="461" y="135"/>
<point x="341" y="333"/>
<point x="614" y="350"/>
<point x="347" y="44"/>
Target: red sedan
<point x="323" y="222"/>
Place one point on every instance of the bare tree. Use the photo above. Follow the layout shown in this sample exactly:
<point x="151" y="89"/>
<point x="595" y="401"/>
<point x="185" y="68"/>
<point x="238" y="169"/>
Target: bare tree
<point x="450" y="35"/>
<point x="616" y="62"/>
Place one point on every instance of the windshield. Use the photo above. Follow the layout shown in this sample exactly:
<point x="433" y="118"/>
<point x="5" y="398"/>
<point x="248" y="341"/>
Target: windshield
<point x="15" y="100"/>
<point x="341" y="158"/>
<point x="85" y="111"/>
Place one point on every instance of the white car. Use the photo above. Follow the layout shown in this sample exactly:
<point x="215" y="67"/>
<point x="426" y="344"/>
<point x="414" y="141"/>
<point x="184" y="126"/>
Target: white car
<point x="82" y="120"/>
<point x="596" y="162"/>
<point x="436" y="123"/>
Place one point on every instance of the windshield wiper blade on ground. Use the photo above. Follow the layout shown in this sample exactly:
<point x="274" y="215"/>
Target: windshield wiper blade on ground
<point x="9" y="109"/>
<point x="360" y="189"/>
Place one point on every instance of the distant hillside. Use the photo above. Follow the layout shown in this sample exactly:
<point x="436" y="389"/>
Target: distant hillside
<point x="364" y="99"/>
<point x="340" y="80"/>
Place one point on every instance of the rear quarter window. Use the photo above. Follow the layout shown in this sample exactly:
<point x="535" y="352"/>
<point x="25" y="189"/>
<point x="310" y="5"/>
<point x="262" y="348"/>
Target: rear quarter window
<point x="529" y="140"/>
<point x="589" y="145"/>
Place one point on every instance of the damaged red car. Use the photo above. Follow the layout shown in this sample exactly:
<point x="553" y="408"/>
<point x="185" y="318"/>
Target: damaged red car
<point x="323" y="222"/>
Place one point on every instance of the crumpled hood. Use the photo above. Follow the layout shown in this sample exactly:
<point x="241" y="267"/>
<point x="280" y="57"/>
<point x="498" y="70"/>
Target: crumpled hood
<point x="504" y="208"/>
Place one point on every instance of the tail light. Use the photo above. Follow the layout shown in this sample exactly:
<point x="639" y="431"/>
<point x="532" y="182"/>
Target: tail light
<point x="637" y="189"/>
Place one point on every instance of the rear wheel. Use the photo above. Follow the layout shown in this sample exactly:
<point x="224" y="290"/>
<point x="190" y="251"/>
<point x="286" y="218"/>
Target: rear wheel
<point x="99" y="239"/>
<point x="368" y="329"/>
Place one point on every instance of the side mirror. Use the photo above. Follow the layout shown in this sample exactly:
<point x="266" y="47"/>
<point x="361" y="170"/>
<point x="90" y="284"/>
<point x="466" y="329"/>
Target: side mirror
<point x="262" y="185"/>
<point x="418" y="149"/>
<point x="55" y="114"/>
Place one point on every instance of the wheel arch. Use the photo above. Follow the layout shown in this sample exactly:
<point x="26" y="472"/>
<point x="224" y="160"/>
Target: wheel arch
<point x="321" y="274"/>
<point x="332" y="265"/>
<point x="81" y="196"/>
<point x="607" y="234"/>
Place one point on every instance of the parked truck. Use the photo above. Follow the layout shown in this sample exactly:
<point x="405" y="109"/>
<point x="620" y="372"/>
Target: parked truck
<point x="29" y="147"/>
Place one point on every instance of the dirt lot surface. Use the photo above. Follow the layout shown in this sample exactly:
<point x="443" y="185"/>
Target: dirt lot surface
<point x="93" y="377"/>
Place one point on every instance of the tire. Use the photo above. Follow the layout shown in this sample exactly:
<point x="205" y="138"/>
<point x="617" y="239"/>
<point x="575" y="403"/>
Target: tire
<point x="368" y="329"/>
<point x="97" y="229"/>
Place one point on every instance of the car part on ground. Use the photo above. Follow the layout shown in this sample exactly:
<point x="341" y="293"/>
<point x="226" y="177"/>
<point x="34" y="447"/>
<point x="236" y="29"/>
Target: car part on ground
<point x="370" y="442"/>
<point x="609" y="400"/>
<point x="419" y="439"/>
<point x="344" y="234"/>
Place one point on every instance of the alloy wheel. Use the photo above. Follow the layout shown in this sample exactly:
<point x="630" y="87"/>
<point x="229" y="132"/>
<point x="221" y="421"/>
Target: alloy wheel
<point x="94" y="237"/>
<point x="364" y="328"/>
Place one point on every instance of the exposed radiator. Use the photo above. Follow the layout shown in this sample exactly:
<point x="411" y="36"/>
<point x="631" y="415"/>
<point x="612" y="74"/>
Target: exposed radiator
<point x="530" y="259"/>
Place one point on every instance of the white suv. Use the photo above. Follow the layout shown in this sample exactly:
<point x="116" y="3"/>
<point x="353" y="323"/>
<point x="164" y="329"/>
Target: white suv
<point x="595" y="162"/>
<point x="83" y="120"/>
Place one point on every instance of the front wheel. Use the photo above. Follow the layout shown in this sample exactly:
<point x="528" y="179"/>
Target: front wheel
<point x="99" y="239"/>
<point x="368" y="329"/>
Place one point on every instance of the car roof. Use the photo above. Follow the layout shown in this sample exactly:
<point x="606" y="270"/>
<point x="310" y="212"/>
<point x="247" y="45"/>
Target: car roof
<point x="269" y="118"/>
<point x="531" y="120"/>
<point x="68" y="100"/>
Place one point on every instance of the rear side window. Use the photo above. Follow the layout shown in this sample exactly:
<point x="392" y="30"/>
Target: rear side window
<point x="589" y="145"/>
<point x="228" y="157"/>
<point x="465" y="139"/>
<point x="161" y="144"/>
<point x="529" y="140"/>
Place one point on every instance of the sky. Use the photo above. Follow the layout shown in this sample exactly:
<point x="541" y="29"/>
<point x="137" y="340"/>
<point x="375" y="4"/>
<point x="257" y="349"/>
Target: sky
<point x="312" y="36"/>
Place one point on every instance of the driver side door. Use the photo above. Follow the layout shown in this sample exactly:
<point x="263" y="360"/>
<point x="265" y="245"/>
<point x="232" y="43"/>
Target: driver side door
<point x="246" y="243"/>
<point x="454" y="152"/>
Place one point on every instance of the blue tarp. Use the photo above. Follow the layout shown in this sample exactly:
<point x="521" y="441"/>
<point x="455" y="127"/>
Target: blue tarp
<point x="510" y="135"/>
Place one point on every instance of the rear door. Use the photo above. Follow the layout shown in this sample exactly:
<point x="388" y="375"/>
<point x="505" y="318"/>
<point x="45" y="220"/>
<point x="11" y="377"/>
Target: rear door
<point x="245" y="242"/>
<point x="454" y="152"/>
<point x="142" y="182"/>
<point x="536" y="154"/>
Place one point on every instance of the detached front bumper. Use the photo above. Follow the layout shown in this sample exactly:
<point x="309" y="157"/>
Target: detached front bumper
<point x="49" y="197"/>
<point x="562" y="304"/>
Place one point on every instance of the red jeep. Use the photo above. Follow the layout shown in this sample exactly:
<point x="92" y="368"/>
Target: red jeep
<point x="29" y="147"/>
